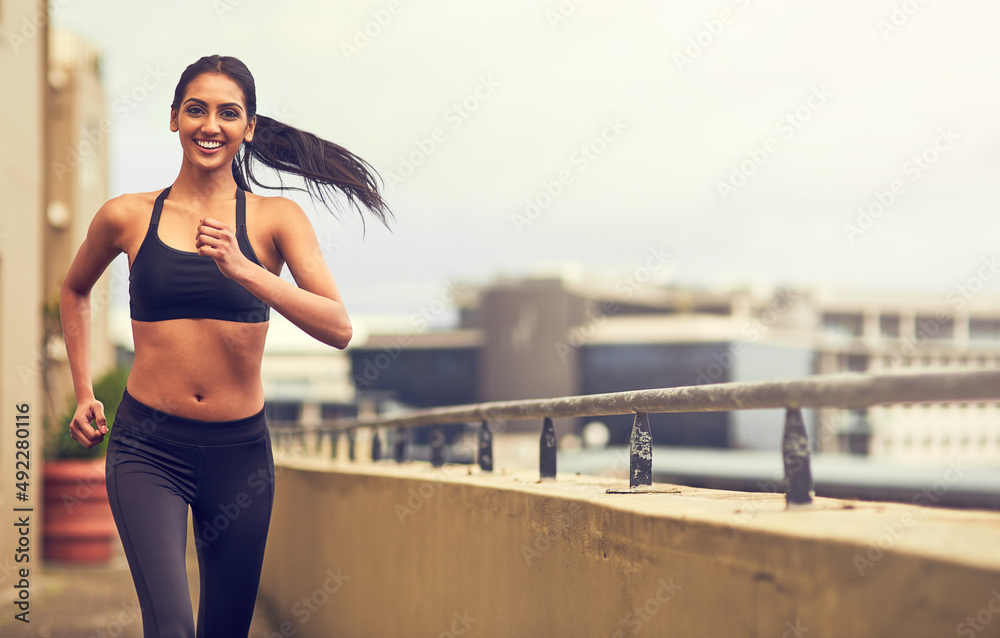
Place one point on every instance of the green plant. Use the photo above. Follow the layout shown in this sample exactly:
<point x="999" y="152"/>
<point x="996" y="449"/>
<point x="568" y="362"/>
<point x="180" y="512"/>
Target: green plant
<point x="108" y="390"/>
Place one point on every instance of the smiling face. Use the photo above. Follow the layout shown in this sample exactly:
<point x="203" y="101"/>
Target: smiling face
<point x="212" y="121"/>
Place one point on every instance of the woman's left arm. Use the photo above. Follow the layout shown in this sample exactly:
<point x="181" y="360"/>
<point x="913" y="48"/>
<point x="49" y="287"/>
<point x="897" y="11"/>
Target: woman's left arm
<point x="313" y="303"/>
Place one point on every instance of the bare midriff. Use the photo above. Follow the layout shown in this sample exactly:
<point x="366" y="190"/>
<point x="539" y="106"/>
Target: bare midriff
<point x="202" y="369"/>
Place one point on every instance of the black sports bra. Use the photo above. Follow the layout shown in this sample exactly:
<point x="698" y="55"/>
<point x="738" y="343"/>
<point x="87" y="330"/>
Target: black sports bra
<point x="167" y="283"/>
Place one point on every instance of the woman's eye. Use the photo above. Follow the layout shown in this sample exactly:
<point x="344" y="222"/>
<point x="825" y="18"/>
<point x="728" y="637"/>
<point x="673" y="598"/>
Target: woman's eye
<point x="194" y="110"/>
<point x="228" y="113"/>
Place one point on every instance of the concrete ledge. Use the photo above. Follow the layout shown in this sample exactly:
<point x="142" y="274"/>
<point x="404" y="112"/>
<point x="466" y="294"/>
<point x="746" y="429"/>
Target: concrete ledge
<point x="385" y="550"/>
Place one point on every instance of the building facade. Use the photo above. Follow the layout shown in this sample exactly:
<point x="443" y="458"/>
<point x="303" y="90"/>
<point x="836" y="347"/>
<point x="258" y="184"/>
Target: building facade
<point x="555" y="337"/>
<point x="48" y="204"/>
<point x="23" y="68"/>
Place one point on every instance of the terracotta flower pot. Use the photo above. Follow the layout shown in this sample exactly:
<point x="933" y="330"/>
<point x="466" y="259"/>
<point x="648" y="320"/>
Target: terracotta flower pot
<point x="78" y="526"/>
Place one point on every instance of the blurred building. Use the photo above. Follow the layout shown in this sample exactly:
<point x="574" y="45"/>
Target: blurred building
<point x="876" y="333"/>
<point x="305" y="381"/>
<point x="23" y="72"/>
<point x="554" y="337"/>
<point x="53" y="176"/>
<point x="76" y="187"/>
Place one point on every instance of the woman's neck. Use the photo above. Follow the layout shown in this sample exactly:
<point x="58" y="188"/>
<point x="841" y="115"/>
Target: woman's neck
<point x="201" y="186"/>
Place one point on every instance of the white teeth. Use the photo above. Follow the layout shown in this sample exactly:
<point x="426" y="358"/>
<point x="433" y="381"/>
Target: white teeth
<point x="208" y="144"/>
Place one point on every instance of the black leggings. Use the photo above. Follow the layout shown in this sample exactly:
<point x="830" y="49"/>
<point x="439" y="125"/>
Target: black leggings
<point x="157" y="465"/>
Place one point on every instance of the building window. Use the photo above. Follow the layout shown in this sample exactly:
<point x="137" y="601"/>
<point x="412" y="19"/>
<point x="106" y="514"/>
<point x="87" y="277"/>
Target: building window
<point x="843" y="324"/>
<point x="984" y="329"/>
<point x="282" y="412"/>
<point x="932" y="327"/>
<point x="857" y="363"/>
<point x="889" y="326"/>
<point x="330" y="411"/>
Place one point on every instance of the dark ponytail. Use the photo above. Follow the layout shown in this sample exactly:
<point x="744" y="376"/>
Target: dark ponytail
<point x="327" y="168"/>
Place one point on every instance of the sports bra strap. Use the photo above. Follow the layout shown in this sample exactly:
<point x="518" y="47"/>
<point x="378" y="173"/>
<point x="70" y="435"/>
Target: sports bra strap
<point x="241" y="208"/>
<point x="155" y="219"/>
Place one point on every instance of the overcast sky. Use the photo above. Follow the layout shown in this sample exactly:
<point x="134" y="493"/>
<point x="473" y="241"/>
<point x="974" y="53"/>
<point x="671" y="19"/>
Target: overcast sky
<point x="742" y="137"/>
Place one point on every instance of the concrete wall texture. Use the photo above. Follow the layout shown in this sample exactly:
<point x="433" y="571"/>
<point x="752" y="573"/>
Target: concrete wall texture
<point x="385" y="550"/>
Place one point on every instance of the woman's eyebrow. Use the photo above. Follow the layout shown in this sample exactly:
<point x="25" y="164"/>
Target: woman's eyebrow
<point x="205" y="104"/>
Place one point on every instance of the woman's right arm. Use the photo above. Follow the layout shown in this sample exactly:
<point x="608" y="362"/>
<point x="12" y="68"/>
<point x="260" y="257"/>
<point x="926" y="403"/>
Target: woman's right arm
<point x="101" y="246"/>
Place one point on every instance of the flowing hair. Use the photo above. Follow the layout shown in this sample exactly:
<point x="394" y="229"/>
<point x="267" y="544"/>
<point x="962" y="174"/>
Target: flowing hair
<point x="326" y="168"/>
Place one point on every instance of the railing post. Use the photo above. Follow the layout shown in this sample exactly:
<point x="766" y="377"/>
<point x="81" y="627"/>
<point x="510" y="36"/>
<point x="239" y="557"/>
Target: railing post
<point x="437" y="446"/>
<point x="334" y="440"/>
<point x="485" y="453"/>
<point x="376" y="445"/>
<point x="547" y="451"/>
<point x="640" y="452"/>
<point x="795" y="454"/>
<point x="352" y="438"/>
<point x="399" y="443"/>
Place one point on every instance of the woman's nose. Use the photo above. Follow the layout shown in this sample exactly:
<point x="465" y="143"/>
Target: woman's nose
<point x="211" y="124"/>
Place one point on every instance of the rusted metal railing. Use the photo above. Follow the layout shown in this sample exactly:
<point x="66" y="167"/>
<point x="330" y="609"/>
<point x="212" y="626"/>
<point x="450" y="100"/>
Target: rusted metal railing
<point x="846" y="391"/>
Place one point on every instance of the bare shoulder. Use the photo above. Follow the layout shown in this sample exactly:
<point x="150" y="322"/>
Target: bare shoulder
<point x="279" y="214"/>
<point x="127" y="207"/>
<point x="123" y="218"/>
<point x="277" y="206"/>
